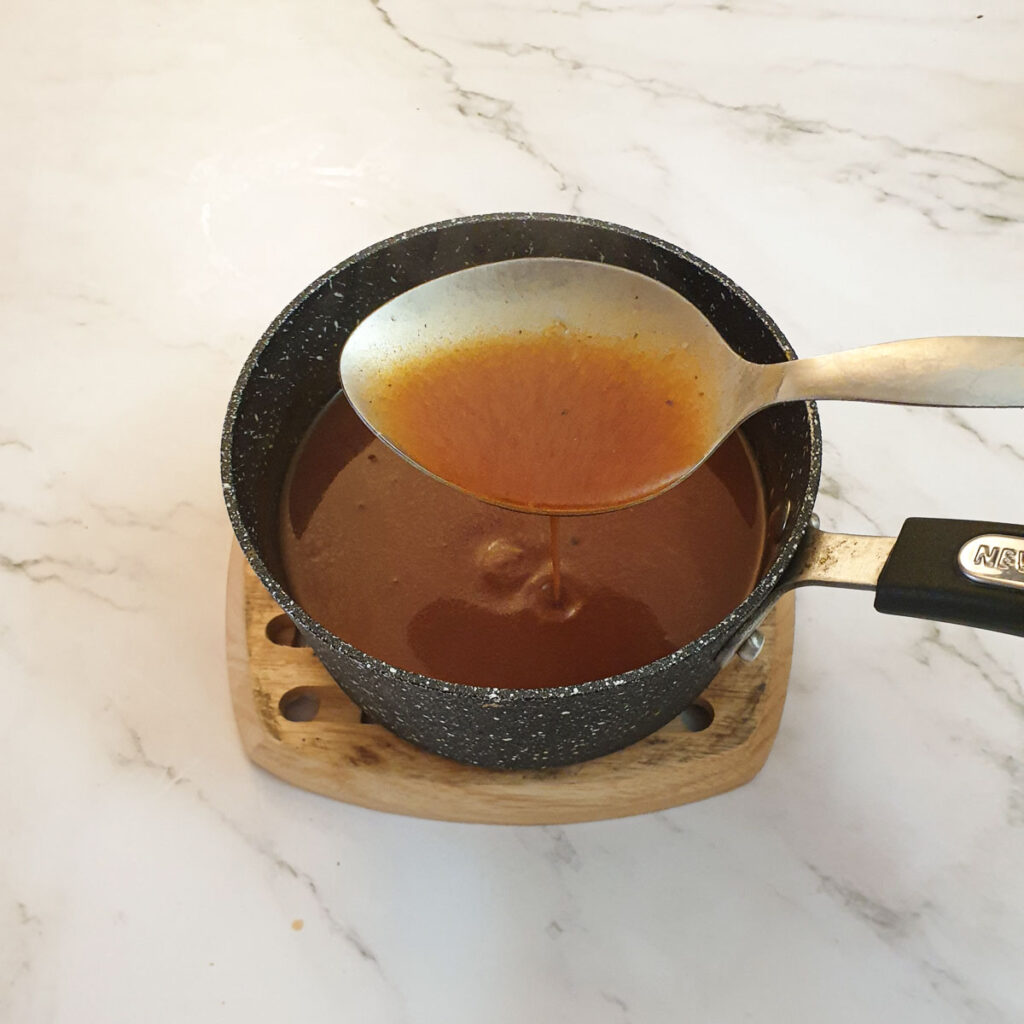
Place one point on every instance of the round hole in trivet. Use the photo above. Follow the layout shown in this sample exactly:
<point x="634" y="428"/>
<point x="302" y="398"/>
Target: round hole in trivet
<point x="281" y="631"/>
<point x="299" y="705"/>
<point x="697" y="717"/>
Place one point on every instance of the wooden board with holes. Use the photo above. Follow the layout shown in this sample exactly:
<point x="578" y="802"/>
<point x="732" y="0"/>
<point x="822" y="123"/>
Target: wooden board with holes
<point x="336" y="754"/>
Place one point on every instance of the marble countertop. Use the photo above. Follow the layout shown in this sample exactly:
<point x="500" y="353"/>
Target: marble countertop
<point x="173" y="175"/>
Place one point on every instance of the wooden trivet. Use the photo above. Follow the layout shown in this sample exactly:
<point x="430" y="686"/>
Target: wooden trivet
<point x="296" y="723"/>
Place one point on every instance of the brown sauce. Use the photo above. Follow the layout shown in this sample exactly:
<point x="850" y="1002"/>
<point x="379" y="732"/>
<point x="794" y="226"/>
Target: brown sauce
<point x="555" y="422"/>
<point x="429" y="579"/>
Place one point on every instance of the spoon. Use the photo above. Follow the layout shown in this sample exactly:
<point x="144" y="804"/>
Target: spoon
<point x="542" y="431"/>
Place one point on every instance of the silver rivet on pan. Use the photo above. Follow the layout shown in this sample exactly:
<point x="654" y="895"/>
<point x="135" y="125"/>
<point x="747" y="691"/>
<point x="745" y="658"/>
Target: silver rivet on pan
<point x="752" y="646"/>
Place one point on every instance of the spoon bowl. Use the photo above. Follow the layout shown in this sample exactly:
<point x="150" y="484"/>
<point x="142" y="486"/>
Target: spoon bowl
<point x="672" y="386"/>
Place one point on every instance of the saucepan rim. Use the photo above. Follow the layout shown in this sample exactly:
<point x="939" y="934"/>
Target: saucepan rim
<point x="742" y="615"/>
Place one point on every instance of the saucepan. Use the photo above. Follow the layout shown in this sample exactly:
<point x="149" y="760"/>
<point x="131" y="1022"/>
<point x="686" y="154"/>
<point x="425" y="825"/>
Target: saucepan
<point x="954" y="571"/>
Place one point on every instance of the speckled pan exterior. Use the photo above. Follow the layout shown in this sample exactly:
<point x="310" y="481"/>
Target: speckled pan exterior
<point x="293" y="372"/>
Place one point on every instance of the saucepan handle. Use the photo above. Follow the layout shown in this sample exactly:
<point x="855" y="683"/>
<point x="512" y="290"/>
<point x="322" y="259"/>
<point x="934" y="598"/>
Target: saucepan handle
<point x="954" y="570"/>
<point x="948" y="570"/>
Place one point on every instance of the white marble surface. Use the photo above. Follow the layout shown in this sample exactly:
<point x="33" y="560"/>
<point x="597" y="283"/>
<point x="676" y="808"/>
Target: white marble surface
<point x="173" y="173"/>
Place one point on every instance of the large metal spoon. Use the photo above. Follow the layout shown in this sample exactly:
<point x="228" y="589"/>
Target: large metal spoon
<point x="524" y="297"/>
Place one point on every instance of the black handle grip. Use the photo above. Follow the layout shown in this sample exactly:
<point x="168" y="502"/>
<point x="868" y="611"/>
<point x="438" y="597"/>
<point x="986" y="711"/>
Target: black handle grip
<point x="928" y="574"/>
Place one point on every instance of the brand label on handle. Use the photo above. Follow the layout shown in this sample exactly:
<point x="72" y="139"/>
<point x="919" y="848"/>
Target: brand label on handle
<point x="994" y="558"/>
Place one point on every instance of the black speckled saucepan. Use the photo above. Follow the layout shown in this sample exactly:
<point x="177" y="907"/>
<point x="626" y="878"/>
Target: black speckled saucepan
<point x="293" y="372"/>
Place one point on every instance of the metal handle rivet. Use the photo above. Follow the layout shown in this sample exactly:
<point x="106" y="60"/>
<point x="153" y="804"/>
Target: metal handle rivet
<point x="752" y="646"/>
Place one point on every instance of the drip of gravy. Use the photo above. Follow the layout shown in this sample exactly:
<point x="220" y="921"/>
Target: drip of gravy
<point x="432" y="580"/>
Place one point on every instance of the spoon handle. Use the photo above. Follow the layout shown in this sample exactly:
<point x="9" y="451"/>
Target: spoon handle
<point x="958" y="371"/>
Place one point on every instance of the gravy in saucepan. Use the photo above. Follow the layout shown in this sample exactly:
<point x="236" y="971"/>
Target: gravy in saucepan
<point x="432" y="580"/>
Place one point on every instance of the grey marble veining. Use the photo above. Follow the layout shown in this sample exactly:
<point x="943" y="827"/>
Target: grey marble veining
<point x="172" y="178"/>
